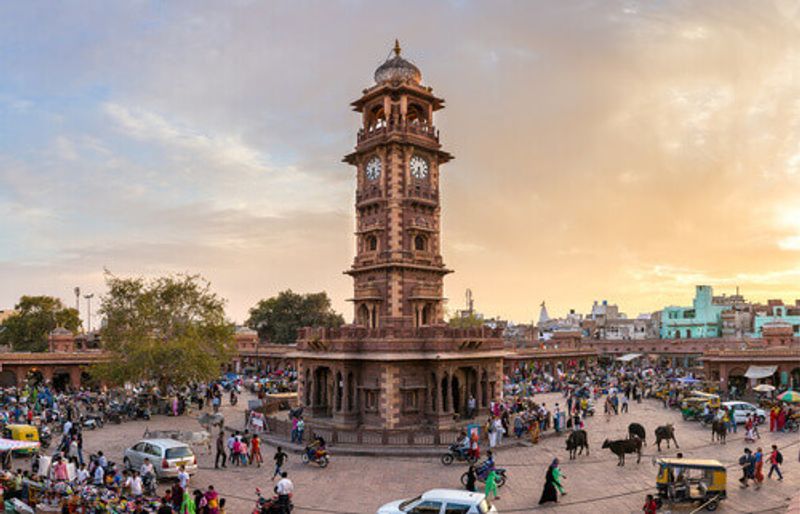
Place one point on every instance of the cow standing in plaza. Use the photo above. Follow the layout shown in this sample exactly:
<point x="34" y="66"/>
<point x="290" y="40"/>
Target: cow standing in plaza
<point x="718" y="431"/>
<point x="578" y="439"/>
<point x="637" y="430"/>
<point x="623" y="446"/>
<point x="666" y="433"/>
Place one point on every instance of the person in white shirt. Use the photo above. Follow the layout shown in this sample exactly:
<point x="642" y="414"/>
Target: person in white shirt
<point x="147" y="468"/>
<point x="82" y="475"/>
<point x="284" y="488"/>
<point x="101" y="459"/>
<point x="183" y="478"/>
<point x="99" y="473"/>
<point x="67" y="427"/>
<point x="134" y="484"/>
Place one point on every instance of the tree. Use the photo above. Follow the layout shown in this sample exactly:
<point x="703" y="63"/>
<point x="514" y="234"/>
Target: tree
<point x="170" y="330"/>
<point x="36" y="316"/>
<point x="468" y="321"/>
<point x="277" y="319"/>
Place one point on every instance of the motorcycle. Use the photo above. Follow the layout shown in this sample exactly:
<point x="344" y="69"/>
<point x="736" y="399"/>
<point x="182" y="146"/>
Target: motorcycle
<point x="114" y="414"/>
<point x="92" y="421"/>
<point x="45" y="436"/>
<point x="481" y="475"/>
<point x="149" y="484"/>
<point x="318" y="457"/>
<point x="458" y="453"/>
<point x="271" y="505"/>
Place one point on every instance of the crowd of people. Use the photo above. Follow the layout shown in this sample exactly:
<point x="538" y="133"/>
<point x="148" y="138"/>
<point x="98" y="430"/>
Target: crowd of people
<point x="64" y="479"/>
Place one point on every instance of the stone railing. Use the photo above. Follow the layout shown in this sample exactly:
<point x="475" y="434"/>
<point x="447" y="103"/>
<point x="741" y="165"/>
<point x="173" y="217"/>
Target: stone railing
<point x="421" y="130"/>
<point x="366" y="436"/>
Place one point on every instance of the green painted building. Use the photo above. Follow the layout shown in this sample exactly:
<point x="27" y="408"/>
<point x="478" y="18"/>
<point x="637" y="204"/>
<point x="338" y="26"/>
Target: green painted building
<point x="778" y="312"/>
<point x="700" y="320"/>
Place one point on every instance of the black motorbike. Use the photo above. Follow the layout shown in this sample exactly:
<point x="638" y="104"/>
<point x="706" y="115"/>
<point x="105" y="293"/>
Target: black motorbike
<point x="458" y="453"/>
<point x="149" y="483"/>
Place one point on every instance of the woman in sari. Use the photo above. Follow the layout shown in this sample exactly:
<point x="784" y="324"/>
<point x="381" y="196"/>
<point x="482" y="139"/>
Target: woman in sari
<point x="212" y="500"/>
<point x="549" y="493"/>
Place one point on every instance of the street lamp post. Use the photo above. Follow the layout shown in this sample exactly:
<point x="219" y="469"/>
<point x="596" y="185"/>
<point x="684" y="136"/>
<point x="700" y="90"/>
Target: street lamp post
<point x="88" y="298"/>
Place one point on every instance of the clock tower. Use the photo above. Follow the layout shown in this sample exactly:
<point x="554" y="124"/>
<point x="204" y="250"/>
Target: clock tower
<point x="399" y="365"/>
<point x="398" y="267"/>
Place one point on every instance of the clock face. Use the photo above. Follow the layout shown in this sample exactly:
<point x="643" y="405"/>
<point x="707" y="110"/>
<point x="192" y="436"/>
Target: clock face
<point x="373" y="169"/>
<point x="418" y="167"/>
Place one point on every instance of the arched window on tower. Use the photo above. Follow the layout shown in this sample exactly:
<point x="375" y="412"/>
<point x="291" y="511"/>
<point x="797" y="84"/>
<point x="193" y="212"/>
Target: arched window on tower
<point x="426" y="315"/>
<point x="372" y="243"/>
<point x="363" y="315"/>
<point x="415" y="115"/>
<point x="421" y="243"/>
<point x="377" y="118"/>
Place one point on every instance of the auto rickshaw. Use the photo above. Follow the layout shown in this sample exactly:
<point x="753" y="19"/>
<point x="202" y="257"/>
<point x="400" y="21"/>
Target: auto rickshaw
<point x="713" y="399"/>
<point x="27" y="433"/>
<point x="702" y="481"/>
<point x="692" y="408"/>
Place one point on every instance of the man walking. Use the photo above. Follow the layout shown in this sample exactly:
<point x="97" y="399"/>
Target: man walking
<point x="748" y="464"/>
<point x="280" y="459"/>
<point x="775" y="461"/>
<point x="220" y="451"/>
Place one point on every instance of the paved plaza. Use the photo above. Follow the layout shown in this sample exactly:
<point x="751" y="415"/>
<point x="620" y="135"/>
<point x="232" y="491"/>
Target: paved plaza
<point x="594" y="483"/>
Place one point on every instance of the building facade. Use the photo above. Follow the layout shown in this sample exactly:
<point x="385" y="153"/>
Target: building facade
<point x="776" y="311"/>
<point x="398" y="365"/>
<point x="701" y="320"/>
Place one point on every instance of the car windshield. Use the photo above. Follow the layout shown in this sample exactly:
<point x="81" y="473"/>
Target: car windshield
<point x="484" y="507"/>
<point x="178" y="452"/>
<point x="406" y="504"/>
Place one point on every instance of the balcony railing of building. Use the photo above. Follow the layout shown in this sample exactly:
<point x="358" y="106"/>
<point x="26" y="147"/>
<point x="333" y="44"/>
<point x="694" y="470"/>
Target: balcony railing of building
<point x="416" y="129"/>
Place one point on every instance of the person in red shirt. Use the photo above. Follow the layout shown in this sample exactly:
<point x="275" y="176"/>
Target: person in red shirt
<point x="650" y="505"/>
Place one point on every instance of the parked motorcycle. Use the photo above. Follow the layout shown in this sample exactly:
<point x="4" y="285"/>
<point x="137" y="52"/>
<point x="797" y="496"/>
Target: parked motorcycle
<point x="92" y="421"/>
<point x="317" y="456"/>
<point x="149" y="483"/>
<point x="458" y="453"/>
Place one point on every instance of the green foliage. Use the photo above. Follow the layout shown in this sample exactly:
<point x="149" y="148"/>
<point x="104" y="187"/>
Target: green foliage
<point x="469" y="321"/>
<point x="171" y="330"/>
<point x="36" y="317"/>
<point x="277" y="319"/>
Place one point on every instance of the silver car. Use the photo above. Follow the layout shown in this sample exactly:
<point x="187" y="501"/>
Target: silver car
<point x="166" y="455"/>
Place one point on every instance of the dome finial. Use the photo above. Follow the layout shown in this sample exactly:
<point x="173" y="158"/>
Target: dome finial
<point x="397" y="47"/>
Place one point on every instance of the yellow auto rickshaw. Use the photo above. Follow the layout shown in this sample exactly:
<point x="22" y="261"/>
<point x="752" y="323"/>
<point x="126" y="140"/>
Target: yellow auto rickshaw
<point x="701" y="481"/>
<point x="713" y="399"/>
<point x="27" y="433"/>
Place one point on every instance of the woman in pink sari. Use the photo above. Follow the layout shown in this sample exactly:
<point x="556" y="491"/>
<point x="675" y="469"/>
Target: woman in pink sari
<point x="212" y="500"/>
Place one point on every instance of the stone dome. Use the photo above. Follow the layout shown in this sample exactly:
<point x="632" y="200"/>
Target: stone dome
<point x="397" y="69"/>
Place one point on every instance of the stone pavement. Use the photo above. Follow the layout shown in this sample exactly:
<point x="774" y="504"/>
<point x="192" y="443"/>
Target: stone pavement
<point x="360" y="484"/>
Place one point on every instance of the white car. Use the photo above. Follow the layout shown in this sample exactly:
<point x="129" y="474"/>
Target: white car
<point x="441" y="501"/>
<point x="743" y="409"/>
<point x="166" y="456"/>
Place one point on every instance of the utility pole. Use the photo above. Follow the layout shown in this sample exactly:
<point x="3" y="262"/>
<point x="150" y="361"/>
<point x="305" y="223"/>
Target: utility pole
<point x="78" y="300"/>
<point x="89" y="311"/>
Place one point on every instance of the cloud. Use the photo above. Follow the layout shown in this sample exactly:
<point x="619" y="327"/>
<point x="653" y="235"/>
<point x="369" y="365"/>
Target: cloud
<point x="619" y="150"/>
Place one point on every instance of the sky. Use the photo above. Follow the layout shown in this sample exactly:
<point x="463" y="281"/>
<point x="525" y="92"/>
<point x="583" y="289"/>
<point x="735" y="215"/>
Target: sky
<point x="608" y="149"/>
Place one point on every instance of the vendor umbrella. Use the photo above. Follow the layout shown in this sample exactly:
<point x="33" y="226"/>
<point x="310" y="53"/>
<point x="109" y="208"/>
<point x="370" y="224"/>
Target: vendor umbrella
<point x="790" y="396"/>
<point x="764" y="388"/>
<point x="688" y="380"/>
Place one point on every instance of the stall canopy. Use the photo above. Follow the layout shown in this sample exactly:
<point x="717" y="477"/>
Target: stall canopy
<point x="760" y="371"/>
<point x="11" y="444"/>
<point x="629" y="357"/>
